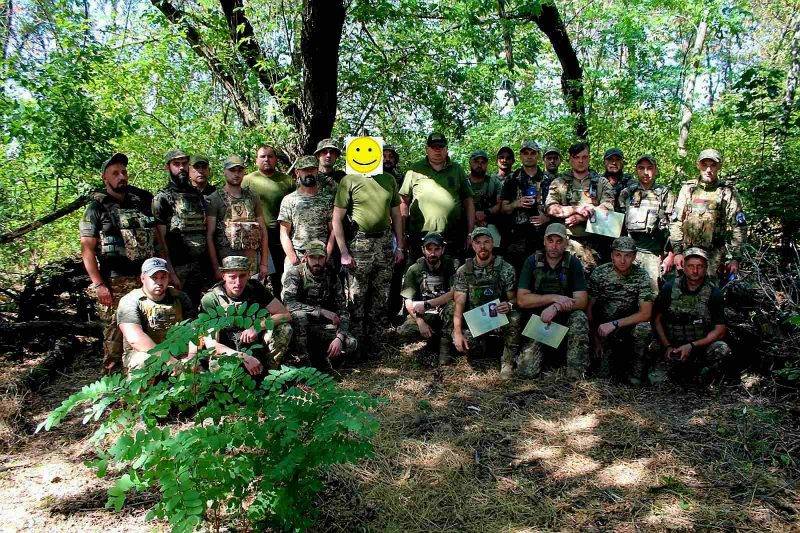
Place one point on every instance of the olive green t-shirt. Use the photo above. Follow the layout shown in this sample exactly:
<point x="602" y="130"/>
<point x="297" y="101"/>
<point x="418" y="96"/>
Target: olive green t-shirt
<point x="270" y="190"/>
<point x="436" y="196"/>
<point x="368" y="199"/>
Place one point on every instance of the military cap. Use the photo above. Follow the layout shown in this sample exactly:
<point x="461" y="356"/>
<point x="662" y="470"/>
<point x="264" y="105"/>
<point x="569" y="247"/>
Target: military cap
<point x="118" y="157"/>
<point x="710" y="153"/>
<point x="553" y="150"/>
<point x="481" y="230"/>
<point x="624" y="244"/>
<point x="647" y="157"/>
<point x="174" y="154"/>
<point x="478" y="154"/>
<point x="233" y="263"/>
<point x="316" y="248"/>
<point x="324" y="144"/>
<point x="233" y="161"/>
<point x="556" y="228"/>
<point x="695" y="252"/>
<point x="530" y="145"/>
<point x="391" y="149"/>
<point x="433" y="237"/>
<point x="436" y="139"/>
<point x="305" y="161"/>
<point x="506" y="149"/>
<point x="153" y="265"/>
<point x="198" y="159"/>
<point x="611" y="152"/>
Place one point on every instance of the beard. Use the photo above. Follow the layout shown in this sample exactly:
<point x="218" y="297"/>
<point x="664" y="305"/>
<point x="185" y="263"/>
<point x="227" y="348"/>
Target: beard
<point x="122" y="188"/>
<point x="181" y="178"/>
<point x="308" y="181"/>
<point x="479" y="173"/>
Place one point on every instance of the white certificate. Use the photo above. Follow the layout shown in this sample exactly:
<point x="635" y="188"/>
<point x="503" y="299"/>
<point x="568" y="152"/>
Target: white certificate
<point x="550" y="334"/>
<point x="481" y="319"/>
<point x="608" y="223"/>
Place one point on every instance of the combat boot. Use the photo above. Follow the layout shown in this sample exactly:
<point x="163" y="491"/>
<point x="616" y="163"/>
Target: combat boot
<point x="445" y="353"/>
<point x="506" y="366"/>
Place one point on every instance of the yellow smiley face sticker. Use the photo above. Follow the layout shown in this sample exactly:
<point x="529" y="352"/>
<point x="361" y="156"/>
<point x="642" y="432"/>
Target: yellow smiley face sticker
<point x="364" y="155"/>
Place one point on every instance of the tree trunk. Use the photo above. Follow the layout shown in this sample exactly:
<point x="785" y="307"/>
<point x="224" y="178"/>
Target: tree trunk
<point x="55" y="215"/>
<point x="688" y="84"/>
<point x="791" y="85"/>
<point x="508" y="51"/>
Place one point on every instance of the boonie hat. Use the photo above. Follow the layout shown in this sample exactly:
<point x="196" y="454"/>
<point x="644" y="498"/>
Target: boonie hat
<point x="324" y="144"/>
<point x="647" y="157"/>
<point x="556" y="228"/>
<point x="436" y="139"/>
<point x="174" y="154"/>
<point x="233" y="161"/>
<point x="695" y="252"/>
<point x="530" y="145"/>
<point x="624" y="244"/>
<point x="710" y="153"/>
<point x="553" y="150"/>
<point x="481" y="230"/>
<point x="316" y="248"/>
<point x="153" y="265"/>
<point x="114" y="159"/>
<point x="234" y="262"/>
<point x="198" y="159"/>
<point x="611" y="152"/>
<point x="478" y="154"/>
<point x="433" y="237"/>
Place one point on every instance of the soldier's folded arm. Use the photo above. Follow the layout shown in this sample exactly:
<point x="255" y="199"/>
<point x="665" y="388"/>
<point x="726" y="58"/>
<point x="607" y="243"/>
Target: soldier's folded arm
<point x="136" y="337"/>
<point x="89" y="256"/>
<point x="642" y="315"/>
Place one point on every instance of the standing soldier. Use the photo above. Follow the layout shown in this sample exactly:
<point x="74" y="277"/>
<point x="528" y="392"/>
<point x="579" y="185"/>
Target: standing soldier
<point x="390" y="161"/>
<point x="480" y="280"/>
<point x="117" y="235"/>
<point x="271" y="186"/>
<point x="553" y="283"/>
<point x="690" y="321"/>
<point x="437" y="197"/>
<point x="327" y="153"/>
<point x="235" y="223"/>
<point x="552" y="160"/>
<point x="374" y="205"/>
<point x="485" y="190"/>
<point x="180" y="211"/>
<point x="614" y="161"/>
<point x="573" y="197"/>
<point x="427" y="289"/>
<point x="505" y="163"/>
<point x="314" y="296"/>
<point x="620" y="309"/>
<point x="523" y="199"/>
<point x="648" y="208"/>
<point x="199" y="172"/>
<point x="708" y="215"/>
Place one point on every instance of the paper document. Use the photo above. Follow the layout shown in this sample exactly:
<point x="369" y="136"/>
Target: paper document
<point x="550" y="334"/>
<point x="483" y="319"/>
<point x="608" y="223"/>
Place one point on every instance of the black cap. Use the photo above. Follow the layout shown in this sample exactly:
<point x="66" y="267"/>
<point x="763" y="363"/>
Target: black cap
<point x="433" y="237"/>
<point x="506" y="149"/>
<point x="613" y="152"/>
<point x="114" y="159"/>
<point x="436" y="139"/>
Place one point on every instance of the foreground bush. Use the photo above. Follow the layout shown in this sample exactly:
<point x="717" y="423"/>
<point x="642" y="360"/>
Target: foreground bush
<point x="253" y="452"/>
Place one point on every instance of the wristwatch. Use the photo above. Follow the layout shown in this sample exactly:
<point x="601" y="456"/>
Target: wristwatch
<point x="615" y="323"/>
<point x="426" y="305"/>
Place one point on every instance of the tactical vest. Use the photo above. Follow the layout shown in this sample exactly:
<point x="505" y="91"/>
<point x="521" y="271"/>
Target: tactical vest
<point x="486" y="288"/>
<point x="688" y="317"/>
<point x="129" y="233"/>
<point x="575" y="195"/>
<point x="522" y="215"/>
<point x="317" y="290"/>
<point x="547" y="284"/>
<point x="160" y="316"/>
<point x="705" y="216"/>
<point x="434" y="284"/>
<point x="188" y="218"/>
<point x="645" y="212"/>
<point x="241" y="228"/>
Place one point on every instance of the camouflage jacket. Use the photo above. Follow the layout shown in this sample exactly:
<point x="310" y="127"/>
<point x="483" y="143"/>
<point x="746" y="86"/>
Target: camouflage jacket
<point x="303" y="292"/>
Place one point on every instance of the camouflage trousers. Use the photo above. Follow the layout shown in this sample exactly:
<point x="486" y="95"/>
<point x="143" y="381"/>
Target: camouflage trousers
<point x="584" y="248"/>
<point x="275" y="341"/>
<point x="529" y="363"/>
<point x="408" y="331"/>
<point x="107" y="315"/>
<point x="195" y="279"/>
<point x="368" y="285"/>
<point x="313" y="335"/>
<point x="624" y="353"/>
<point x="652" y="265"/>
<point x="704" y="363"/>
<point x="522" y="242"/>
<point x="510" y="334"/>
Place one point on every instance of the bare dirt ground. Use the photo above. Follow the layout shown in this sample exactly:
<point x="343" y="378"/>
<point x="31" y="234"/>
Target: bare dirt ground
<point x="459" y="450"/>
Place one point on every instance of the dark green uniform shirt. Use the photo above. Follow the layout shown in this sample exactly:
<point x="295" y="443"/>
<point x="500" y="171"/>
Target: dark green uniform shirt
<point x="564" y="279"/>
<point x="436" y="196"/>
<point x="369" y="200"/>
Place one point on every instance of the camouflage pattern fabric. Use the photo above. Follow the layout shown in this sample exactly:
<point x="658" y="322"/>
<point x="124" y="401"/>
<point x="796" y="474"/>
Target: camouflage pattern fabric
<point x="688" y="317"/>
<point x="182" y="209"/>
<point x="704" y="364"/>
<point x="484" y="284"/>
<point x="624" y="353"/>
<point x="107" y="315"/>
<point x="529" y="363"/>
<point x="591" y="190"/>
<point x="509" y="333"/>
<point x="651" y="263"/>
<point x="584" y="248"/>
<point x="195" y="280"/>
<point x="309" y="216"/>
<point x="368" y="285"/>
<point x="617" y="296"/>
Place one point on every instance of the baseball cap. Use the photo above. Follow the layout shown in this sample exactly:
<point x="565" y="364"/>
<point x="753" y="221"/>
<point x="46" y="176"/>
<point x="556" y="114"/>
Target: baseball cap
<point x="325" y="144"/>
<point x="198" y="159"/>
<point x="234" y="262"/>
<point x="695" y="252"/>
<point x="611" y="152"/>
<point x="233" y="161"/>
<point x="153" y="265"/>
<point x="433" y="237"/>
<point x="479" y="153"/>
<point x="390" y="148"/>
<point x="530" y="145"/>
<point x="315" y="247"/>
<point x="624" y="244"/>
<point x="114" y="159"/>
<point x="710" y="153"/>
<point x="556" y="228"/>
<point x="174" y="154"/>
<point x="481" y="230"/>
<point x="436" y="139"/>
<point x="305" y="161"/>
<point x="506" y="149"/>
<point x="552" y="150"/>
<point x="647" y="157"/>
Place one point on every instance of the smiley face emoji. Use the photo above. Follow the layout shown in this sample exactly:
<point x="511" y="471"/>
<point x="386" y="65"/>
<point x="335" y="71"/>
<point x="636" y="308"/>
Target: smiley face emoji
<point x="364" y="155"/>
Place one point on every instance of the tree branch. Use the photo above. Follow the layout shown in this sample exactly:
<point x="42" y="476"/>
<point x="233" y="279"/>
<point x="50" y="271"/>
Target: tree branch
<point x="55" y="215"/>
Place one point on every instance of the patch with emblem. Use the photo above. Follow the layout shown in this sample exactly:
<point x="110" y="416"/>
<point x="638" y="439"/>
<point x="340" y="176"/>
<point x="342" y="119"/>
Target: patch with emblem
<point x="488" y="292"/>
<point x="740" y="220"/>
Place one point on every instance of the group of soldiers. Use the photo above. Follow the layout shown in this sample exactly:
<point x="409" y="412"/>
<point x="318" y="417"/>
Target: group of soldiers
<point x="331" y="256"/>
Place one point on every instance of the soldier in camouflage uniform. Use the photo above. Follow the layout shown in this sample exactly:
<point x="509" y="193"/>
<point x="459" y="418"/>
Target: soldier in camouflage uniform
<point x="482" y="279"/>
<point x="199" y="172"/>
<point x="708" y="214"/>
<point x="146" y="314"/>
<point x="552" y="160"/>
<point x="553" y="283"/>
<point x="572" y="199"/>
<point x="690" y="322"/>
<point x="238" y="288"/>
<point x="327" y="153"/>
<point x="117" y="235"/>
<point x="427" y="290"/>
<point x="180" y="213"/>
<point x="620" y="310"/>
<point x="614" y="161"/>
<point x="314" y="296"/>
<point x="305" y="214"/>
<point x="374" y="207"/>
<point x="485" y="192"/>
<point x="391" y="159"/>
<point x="648" y="207"/>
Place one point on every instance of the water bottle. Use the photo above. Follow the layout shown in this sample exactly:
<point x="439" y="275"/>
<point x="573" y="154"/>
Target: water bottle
<point x="531" y="190"/>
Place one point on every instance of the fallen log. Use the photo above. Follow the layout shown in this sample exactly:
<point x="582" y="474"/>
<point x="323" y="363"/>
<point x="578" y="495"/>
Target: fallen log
<point x="36" y="224"/>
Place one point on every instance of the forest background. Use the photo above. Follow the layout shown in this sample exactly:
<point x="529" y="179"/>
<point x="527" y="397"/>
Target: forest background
<point x="83" y="78"/>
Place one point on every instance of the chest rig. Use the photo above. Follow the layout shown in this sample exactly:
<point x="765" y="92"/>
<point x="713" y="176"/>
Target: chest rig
<point x="688" y="317"/>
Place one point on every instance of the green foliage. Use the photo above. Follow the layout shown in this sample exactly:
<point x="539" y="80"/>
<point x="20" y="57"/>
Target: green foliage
<point x="253" y="451"/>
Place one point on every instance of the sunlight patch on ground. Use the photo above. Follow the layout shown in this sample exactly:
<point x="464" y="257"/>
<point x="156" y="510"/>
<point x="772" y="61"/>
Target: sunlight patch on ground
<point x="625" y="474"/>
<point x="433" y="456"/>
<point x="670" y="514"/>
<point x="580" y="423"/>
<point x="583" y="441"/>
<point x="572" y="465"/>
<point x="415" y="386"/>
<point x="532" y="450"/>
<point x="536" y="426"/>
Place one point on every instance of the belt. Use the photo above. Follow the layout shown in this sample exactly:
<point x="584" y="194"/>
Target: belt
<point x="372" y="234"/>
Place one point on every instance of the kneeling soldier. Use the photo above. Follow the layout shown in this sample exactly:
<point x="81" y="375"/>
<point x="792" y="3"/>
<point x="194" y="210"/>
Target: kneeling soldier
<point x="621" y="303"/>
<point x="480" y="280"/>
<point x="553" y="283"/>
<point x="236" y="288"/>
<point x="145" y="315"/>
<point x="690" y="321"/>
<point x="426" y="290"/>
<point x="314" y="296"/>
